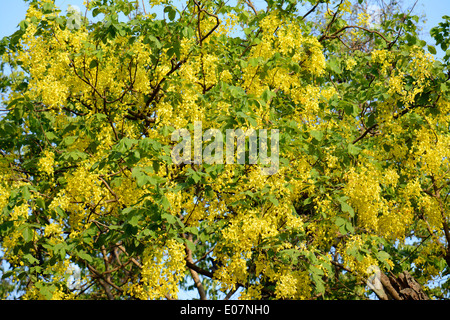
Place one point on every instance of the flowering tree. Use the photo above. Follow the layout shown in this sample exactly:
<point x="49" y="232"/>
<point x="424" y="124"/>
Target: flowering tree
<point x="94" y="206"/>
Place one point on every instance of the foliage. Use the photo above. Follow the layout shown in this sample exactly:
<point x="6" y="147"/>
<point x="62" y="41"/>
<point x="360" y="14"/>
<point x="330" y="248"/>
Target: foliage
<point x="88" y="182"/>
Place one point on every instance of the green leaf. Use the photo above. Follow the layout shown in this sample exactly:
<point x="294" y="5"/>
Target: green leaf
<point x="383" y="255"/>
<point x="26" y="193"/>
<point x="47" y="7"/>
<point x="190" y="245"/>
<point x="188" y="32"/>
<point x="432" y="49"/>
<point x="350" y="109"/>
<point x="387" y="147"/>
<point x="7" y="274"/>
<point x="62" y="253"/>
<point x="40" y="203"/>
<point x="169" y="218"/>
<point x="316" y="275"/>
<point x="69" y="140"/>
<point x="194" y="175"/>
<point x="83" y="255"/>
<point x="274" y="200"/>
<point x="154" y="40"/>
<point x="370" y="120"/>
<point x="93" y="64"/>
<point x="23" y="25"/>
<point x="340" y="221"/>
<point x="27" y="234"/>
<point x="254" y="62"/>
<point x="171" y="12"/>
<point x="345" y="207"/>
<point x="61" y="213"/>
<point x="45" y="290"/>
<point x="192" y="230"/>
<point x="267" y="94"/>
<point x="74" y="155"/>
<point x="318" y="135"/>
<point x="334" y="66"/>
<point x="353" y="150"/>
<point x="122" y="31"/>
<point x="50" y="136"/>
<point x="30" y="258"/>
<point x="141" y="180"/>
<point x="412" y="40"/>
<point x="252" y="121"/>
<point x="134" y="221"/>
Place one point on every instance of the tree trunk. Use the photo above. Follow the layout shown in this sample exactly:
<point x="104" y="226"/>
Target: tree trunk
<point x="403" y="287"/>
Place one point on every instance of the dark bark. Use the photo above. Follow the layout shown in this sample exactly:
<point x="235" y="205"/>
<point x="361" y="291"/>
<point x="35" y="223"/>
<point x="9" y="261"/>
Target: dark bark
<point x="403" y="287"/>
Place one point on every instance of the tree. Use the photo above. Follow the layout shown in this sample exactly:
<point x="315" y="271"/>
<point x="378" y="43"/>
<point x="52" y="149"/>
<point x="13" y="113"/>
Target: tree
<point x="358" y="203"/>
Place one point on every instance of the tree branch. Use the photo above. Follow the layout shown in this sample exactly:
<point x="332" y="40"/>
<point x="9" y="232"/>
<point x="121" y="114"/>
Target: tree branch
<point x="389" y="288"/>
<point x="104" y="282"/>
<point x="365" y="133"/>
<point x="312" y="9"/>
<point x="194" y="274"/>
<point x="199" y="270"/>
<point x="250" y="4"/>
<point x="335" y="35"/>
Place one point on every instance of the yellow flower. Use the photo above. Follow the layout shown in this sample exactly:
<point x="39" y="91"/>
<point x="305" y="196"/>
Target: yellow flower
<point x="350" y="63"/>
<point x="46" y="163"/>
<point x="162" y="270"/>
<point x="52" y="229"/>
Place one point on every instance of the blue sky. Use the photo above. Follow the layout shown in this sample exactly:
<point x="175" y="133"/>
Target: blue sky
<point x="13" y="11"/>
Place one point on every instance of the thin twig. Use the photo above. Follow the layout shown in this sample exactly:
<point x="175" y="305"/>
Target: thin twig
<point x="365" y="133"/>
<point x="310" y="11"/>
<point x="250" y="4"/>
<point x="335" y="35"/>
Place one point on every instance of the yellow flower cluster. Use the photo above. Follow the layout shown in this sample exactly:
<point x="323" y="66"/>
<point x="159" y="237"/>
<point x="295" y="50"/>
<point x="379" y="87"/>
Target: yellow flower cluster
<point x="350" y="63"/>
<point x="305" y="50"/>
<point x="56" y="288"/>
<point x="20" y="212"/>
<point x="47" y="163"/>
<point x="431" y="248"/>
<point x="432" y="152"/>
<point x="328" y="92"/>
<point x="364" y="18"/>
<point x="245" y="230"/>
<point x="383" y="57"/>
<point x="293" y="285"/>
<point x="364" y="189"/>
<point x="83" y="187"/>
<point x="4" y="196"/>
<point x="52" y="229"/>
<point x="162" y="270"/>
<point x="354" y="259"/>
<point x="347" y="6"/>
<point x="154" y="3"/>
